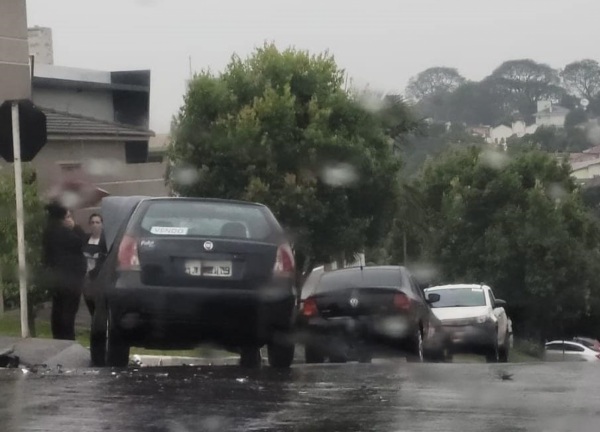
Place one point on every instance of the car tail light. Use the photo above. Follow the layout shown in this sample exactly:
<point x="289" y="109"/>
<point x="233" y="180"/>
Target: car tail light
<point x="309" y="307"/>
<point x="598" y="356"/>
<point x="128" y="254"/>
<point x="284" y="262"/>
<point x="401" y="302"/>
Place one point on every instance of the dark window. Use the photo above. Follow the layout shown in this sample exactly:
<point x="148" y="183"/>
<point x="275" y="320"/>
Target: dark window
<point x="136" y="152"/>
<point x="365" y="278"/>
<point x="554" y="347"/>
<point x="206" y="219"/>
<point x="458" y="297"/>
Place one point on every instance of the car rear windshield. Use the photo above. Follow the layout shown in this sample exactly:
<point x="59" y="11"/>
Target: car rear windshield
<point x="206" y="219"/>
<point x="359" y="279"/>
<point x="458" y="297"/>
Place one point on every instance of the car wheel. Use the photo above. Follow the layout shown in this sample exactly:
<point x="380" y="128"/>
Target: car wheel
<point x="415" y="353"/>
<point x="280" y="355"/>
<point x="504" y="351"/>
<point x="365" y="356"/>
<point x="493" y="355"/>
<point x="312" y="354"/>
<point x="98" y="336"/>
<point x="250" y="357"/>
<point x="117" y="349"/>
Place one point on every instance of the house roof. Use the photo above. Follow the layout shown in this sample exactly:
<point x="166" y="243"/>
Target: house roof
<point x="584" y="164"/>
<point x="593" y="150"/>
<point x="62" y="125"/>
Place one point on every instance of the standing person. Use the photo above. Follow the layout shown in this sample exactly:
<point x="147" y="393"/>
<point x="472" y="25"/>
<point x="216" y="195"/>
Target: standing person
<point x="94" y="251"/>
<point x="64" y="261"/>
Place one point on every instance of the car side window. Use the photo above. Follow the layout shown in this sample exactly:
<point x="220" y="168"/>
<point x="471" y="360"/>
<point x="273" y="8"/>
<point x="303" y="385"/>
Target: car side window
<point x="554" y="347"/>
<point x="573" y="348"/>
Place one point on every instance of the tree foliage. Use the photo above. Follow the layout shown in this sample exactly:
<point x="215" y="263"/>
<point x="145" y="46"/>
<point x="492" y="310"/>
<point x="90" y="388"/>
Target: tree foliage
<point x="520" y="225"/>
<point x="582" y="78"/>
<point x="433" y="81"/>
<point x="34" y="218"/>
<point x="278" y="128"/>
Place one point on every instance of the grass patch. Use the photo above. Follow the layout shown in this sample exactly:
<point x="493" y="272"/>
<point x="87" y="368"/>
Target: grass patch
<point x="10" y="325"/>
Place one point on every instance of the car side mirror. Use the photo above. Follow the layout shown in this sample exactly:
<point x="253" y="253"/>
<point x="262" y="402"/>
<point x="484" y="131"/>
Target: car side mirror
<point x="433" y="298"/>
<point x="499" y="303"/>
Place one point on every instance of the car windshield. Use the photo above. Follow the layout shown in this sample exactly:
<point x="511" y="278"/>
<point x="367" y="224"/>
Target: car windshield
<point x="458" y="297"/>
<point x="205" y="219"/>
<point x="366" y="278"/>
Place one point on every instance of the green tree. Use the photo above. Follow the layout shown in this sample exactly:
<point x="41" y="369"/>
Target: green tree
<point x="582" y="78"/>
<point x="278" y="128"/>
<point x="520" y="225"/>
<point x="34" y="221"/>
<point x="433" y="81"/>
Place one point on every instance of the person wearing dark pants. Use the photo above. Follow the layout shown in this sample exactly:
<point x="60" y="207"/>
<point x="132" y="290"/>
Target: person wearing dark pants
<point x="65" y="268"/>
<point x="94" y="251"/>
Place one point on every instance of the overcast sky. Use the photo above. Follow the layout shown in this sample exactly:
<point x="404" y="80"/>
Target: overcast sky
<point x="380" y="42"/>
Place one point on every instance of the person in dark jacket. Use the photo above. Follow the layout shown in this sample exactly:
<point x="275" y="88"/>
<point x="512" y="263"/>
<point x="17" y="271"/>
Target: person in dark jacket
<point x="94" y="251"/>
<point x="66" y="268"/>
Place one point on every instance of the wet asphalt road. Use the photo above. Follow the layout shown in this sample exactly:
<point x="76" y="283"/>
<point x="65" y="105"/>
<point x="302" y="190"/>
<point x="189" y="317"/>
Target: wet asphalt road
<point x="385" y="396"/>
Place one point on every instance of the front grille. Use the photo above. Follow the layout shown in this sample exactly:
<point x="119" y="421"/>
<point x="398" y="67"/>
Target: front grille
<point x="459" y="322"/>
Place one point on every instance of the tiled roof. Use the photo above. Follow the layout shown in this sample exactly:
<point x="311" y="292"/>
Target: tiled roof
<point x="593" y="150"/>
<point x="67" y="124"/>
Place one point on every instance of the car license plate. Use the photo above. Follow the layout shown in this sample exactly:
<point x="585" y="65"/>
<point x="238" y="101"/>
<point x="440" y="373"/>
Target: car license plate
<point x="193" y="268"/>
<point x="217" y="269"/>
<point x="208" y="268"/>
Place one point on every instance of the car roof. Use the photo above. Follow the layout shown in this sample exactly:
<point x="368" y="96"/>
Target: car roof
<point x="359" y="269"/>
<point x="455" y="286"/>
<point x="200" y="199"/>
<point x="565" y="342"/>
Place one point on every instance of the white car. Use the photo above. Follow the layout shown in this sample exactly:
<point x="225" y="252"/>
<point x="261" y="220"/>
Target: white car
<point x="559" y="350"/>
<point x="475" y="320"/>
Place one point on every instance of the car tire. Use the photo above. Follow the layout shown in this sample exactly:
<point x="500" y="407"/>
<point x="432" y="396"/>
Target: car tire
<point x="98" y="336"/>
<point x="280" y="355"/>
<point x="250" y="357"/>
<point x="504" y="351"/>
<point x="493" y="354"/>
<point x="416" y="351"/>
<point x="117" y="349"/>
<point x="365" y="356"/>
<point x="312" y="354"/>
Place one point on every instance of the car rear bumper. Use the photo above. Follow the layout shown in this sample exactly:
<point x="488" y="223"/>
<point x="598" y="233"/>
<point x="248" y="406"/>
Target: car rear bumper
<point x="164" y="316"/>
<point x="384" y="329"/>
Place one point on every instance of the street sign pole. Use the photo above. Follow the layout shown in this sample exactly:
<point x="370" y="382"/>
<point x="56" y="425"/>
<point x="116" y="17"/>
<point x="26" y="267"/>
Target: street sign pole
<point x="16" y="133"/>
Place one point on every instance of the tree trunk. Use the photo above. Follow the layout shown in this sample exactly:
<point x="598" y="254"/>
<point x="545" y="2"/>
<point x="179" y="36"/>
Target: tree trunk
<point x="404" y="248"/>
<point x="1" y="297"/>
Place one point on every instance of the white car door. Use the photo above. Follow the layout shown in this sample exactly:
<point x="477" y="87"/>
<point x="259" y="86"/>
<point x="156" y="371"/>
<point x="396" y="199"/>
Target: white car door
<point x="500" y="315"/>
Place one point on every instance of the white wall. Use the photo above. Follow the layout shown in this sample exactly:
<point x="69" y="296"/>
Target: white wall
<point x="551" y="119"/>
<point x="96" y="104"/>
<point x="587" y="173"/>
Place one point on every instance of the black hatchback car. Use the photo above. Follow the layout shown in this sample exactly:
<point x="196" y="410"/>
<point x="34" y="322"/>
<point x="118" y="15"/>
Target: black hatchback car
<point x="181" y="271"/>
<point x="350" y="313"/>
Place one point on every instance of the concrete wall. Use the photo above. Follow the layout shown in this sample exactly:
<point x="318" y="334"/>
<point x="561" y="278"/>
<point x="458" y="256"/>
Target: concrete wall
<point x="15" y="75"/>
<point x="89" y="103"/>
<point x="40" y="45"/>
<point x="102" y="162"/>
<point x="550" y="119"/>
